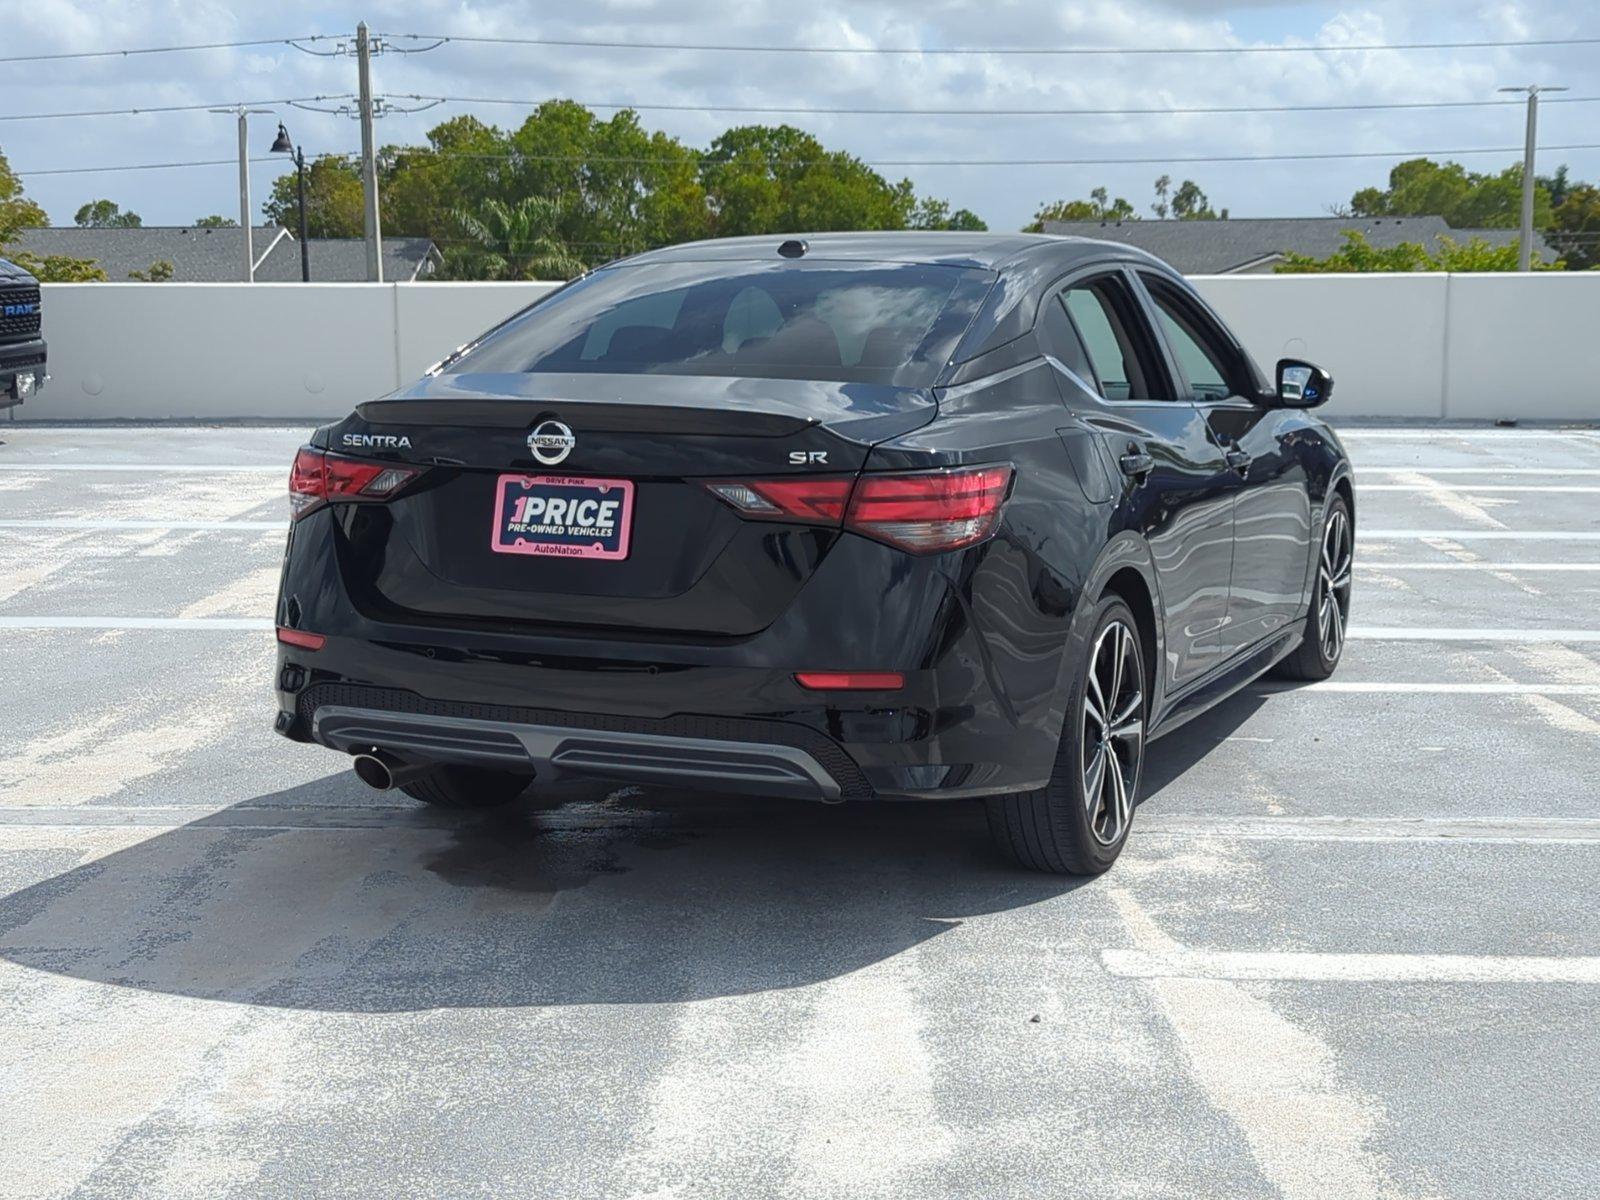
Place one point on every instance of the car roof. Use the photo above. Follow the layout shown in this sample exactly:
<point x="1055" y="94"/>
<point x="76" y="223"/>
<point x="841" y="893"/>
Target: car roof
<point x="985" y="251"/>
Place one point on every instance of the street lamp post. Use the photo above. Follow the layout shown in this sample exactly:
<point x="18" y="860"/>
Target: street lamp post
<point x="243" y="115"/>
<point x="282" y="145"/>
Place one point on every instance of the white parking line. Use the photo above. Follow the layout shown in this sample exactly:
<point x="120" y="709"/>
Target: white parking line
<point x="1442" y="689"/>
<point x="1478" y="535"/>
<point x="1476" y="566"/>
<point x="223" y="624"/>
<point x="1183" y="963"/>
<point x="1434" y="434"/>
<point x="172" y="468"/>
<point x="1422" y="633"/>
<point x="1478" y="487"/>
<point x="84" y="524"/>
<point x="1363" y="472"/>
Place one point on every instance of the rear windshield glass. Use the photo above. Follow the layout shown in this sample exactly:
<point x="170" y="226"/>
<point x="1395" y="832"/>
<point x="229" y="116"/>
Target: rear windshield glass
<point x="868" y="323"/>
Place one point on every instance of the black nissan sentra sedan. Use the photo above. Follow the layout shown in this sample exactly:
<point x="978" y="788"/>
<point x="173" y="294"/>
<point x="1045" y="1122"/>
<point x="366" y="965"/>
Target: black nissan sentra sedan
<point x="895" y="516"/>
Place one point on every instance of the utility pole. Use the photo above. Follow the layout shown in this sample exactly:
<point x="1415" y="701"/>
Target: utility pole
<point x="369" y="157"/>
<point x="1530" y="146"/>
<point x="243" y="114"/>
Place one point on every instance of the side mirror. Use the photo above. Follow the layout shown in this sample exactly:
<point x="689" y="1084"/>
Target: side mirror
<point x="1302" y="384"/>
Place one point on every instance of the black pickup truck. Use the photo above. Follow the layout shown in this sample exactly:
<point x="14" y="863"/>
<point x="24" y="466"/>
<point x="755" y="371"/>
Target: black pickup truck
<point x="22" y="353"/>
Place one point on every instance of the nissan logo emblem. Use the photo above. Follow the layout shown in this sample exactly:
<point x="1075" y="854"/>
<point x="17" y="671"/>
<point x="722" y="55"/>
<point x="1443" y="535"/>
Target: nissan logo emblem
<point x="551" y="442"/>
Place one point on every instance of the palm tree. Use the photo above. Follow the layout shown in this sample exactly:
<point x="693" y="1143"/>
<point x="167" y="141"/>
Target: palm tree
<point x="517" y="241"/>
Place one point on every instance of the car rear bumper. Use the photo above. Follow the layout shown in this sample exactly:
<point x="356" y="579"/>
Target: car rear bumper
<point x="792" y="769"/>
<point x="978" y="712"/>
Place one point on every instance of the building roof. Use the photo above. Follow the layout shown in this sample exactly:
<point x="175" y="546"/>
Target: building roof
<point x="344" y="260"/>
<point x="1241" y="243"/>
<point x="205" y="255"/>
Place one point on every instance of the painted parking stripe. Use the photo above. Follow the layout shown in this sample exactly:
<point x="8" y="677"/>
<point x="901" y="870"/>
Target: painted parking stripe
<point x="1359" y="687"/>
<point x="1576" y="488"/>
<point x="1479" y="535"/>
<point x="85" y="524"/>
<point x="1433" y="434"/>
<point x="1476" y="566"/>
<point x="216" y="624"/>
<point x="1363" y="472"/>
<point x="1349" y="968"/>
<point x="165" y="468"/>
<point x="1422" y="633"/>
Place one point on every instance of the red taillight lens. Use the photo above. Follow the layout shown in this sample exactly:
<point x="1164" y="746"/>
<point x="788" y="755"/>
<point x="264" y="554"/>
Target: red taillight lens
<point x="924" y="512"/>
<point x="302" y="639"/>
<point x="851" y="681"/>
<point x="930" y="511"/>
<point x="810" y="500"/>
<point x="318" y="477"/>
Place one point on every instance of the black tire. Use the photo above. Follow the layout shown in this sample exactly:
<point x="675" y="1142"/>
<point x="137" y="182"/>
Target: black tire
<point x="1055" y="828"/>
<point x="467" y="787"/>
<point x="1321" y="646"/>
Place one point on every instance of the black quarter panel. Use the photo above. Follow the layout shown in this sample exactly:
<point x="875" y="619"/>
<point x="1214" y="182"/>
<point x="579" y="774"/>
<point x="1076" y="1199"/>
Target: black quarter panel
<point x="1018" y="592"/>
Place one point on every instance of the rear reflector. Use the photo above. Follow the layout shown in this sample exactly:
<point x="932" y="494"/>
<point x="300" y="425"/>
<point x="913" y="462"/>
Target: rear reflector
<point x="299" y="637"/>
<point x="924" y="512"/>
<point x="851" y="681"/>
<point x="318" y="477"/>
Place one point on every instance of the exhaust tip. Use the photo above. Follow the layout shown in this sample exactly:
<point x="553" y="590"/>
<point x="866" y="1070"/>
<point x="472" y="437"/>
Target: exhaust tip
<point x="374" y="772"/>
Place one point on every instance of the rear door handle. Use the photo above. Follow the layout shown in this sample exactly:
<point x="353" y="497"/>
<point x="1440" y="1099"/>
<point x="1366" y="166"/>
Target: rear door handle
<point x="1238" y="459"/>
<point x="1136" y="464"/>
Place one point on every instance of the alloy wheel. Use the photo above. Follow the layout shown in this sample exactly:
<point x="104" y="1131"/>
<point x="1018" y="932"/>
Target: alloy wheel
<point x="1113" y="731"/>
<point x="1333" y="605"/>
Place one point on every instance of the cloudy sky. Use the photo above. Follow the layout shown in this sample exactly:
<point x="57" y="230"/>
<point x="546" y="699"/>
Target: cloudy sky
<point x="1004" y="196"/>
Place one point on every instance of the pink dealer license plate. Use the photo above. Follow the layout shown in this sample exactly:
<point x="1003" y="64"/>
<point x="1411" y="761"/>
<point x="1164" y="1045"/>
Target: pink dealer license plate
<point x="562" y="516"/>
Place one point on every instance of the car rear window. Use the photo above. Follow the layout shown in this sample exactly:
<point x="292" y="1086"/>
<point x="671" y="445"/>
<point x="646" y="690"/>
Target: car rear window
<point x="891" y="323"/>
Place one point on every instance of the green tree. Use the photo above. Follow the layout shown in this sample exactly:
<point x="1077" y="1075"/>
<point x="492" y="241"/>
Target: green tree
<point x="779" y="179"/>
<point x="1189" y="203"/>
<point x="105" y="214"/>
<point x="929" y="213"/>
<point x="18" y="213"/>
<point x="334" y="207"/>
<point x="1358" y="254"/>
<point x="1575" y="227"/>
<point x="516" y="241"/>
<point x="216" y="222"/>
<point x="1098" y="207"/>
<point x="158" y="272"/>
<point x="1466" y="199"/>
<point x="1162" y="205"/>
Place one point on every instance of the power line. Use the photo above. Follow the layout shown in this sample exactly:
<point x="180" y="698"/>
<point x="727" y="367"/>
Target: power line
<point x="805" y="110"/>
<point x="701" y="160"/>
<point x="164" y="108"/>
<point x="718" y="47"/>
<point x="164" y="166"/>
<point x="58" y="57"/>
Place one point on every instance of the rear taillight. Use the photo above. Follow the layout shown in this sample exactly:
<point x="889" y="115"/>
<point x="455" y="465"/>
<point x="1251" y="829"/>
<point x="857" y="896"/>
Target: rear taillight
<point x="318" y="477"/>
<point x="921" y="511"/>
<point x="930" y="511"/>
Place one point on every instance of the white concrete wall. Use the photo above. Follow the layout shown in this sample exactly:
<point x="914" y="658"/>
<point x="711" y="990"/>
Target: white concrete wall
<point x="1418" y="346"/>
<point x="1429" y="346"/>
<point x="232" y="350"/>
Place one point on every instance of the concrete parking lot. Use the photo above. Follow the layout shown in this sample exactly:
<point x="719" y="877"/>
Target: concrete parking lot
<point x="1352" y="950"/>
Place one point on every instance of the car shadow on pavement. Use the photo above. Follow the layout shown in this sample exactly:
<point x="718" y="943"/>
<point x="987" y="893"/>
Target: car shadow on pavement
<point x="318" y="898"/>
<point x="1170" y="757"/>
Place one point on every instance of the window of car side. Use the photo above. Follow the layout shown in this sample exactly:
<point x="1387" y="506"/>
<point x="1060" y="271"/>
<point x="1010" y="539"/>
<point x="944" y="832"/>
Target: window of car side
<point x="1204" y="353"/>
<point x="1115" y="338"/>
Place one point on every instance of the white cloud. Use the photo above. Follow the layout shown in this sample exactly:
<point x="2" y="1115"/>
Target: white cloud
<point x="1005" y="196"/>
